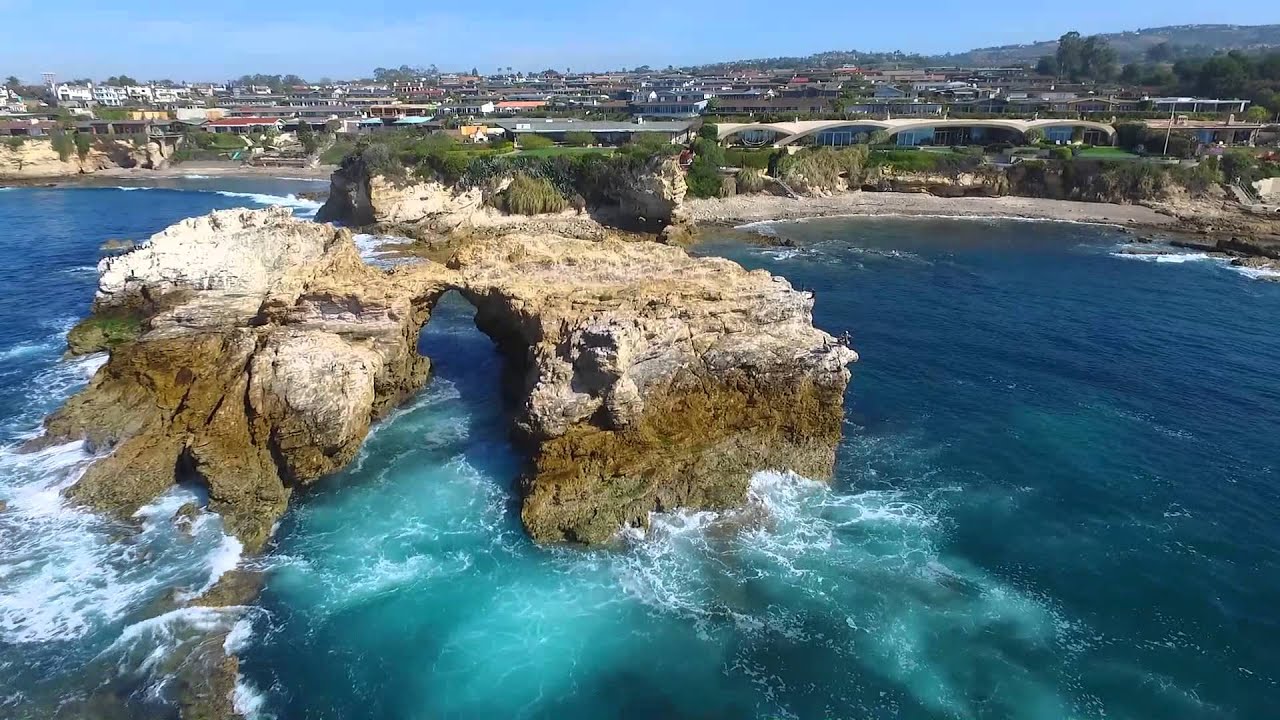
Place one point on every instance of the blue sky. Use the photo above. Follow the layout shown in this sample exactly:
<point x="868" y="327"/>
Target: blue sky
<point x="316" y="38"/>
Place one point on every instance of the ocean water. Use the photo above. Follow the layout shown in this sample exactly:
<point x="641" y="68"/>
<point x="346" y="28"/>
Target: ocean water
<point x="1055" y="499"/>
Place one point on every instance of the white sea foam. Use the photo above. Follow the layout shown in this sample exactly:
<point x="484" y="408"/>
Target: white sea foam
<point x="1256" y="273"/>
<point x="302" y="179"/>
<point x="372" y="250"/>
<point x="195" y="177"/>
<point x="1165" y="257"/>
<point x="307" y="207"/>
<point x="248" y="701"/>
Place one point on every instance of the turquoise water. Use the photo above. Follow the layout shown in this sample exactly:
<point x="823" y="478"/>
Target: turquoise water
<point x="1054" y="500"/>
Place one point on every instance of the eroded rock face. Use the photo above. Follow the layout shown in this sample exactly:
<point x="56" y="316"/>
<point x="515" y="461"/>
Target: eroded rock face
<point x="649" y="380"/>
<point x="651" y="193"/>
<point x="644" y="379"/>
<point x="267" y="348"/>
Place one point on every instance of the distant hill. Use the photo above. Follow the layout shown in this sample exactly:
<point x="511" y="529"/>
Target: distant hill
<point x="1184" y="40"/>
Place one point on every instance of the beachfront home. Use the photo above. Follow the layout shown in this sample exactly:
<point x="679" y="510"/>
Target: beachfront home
<point x="243" y="125"/>
<point x="605" y="132"/>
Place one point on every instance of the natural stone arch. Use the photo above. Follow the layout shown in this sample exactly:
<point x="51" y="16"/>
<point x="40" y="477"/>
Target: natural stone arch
<point x="659" y="386"/>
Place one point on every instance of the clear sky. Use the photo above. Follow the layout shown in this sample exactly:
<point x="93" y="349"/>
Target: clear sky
<point x="222" y="39"/>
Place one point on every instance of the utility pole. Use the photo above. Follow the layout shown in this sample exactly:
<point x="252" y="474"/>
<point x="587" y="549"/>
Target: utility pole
<point x="1169" y="131"/>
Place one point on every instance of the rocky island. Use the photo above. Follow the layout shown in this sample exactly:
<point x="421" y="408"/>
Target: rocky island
<point x="262" y="348"/>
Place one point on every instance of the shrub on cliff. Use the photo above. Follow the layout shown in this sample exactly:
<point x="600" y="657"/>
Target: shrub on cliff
<point x="825" y="169"/>
<point x="704" y="179"/>
<point x="83" y="143"/>
<point x="749" y="180"/>
<point x="62" y="144"/>
<point x="532" y="196"/>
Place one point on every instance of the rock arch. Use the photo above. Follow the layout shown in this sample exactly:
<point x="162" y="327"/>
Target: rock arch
<point x="649" y="379"/>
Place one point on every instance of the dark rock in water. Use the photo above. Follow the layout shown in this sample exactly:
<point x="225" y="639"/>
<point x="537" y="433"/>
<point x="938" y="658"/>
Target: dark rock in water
<point x="185" y="517"/>
<point x="317" y="195"/>
<point x="117" y="245"/>
<point x="3" y="506"/>
<point x="1130" y="250"/>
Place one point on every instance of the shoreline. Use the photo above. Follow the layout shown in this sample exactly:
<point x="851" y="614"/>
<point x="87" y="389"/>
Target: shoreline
<point x="746" y="209"/>
<point x="204" y="169"/>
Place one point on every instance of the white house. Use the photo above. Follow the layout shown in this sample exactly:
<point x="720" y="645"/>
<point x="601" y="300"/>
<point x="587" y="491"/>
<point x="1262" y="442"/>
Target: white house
<point x="108" y="96"/>
<point x="74" y="93"/>
<point x="141" y="93"/>
<point x="164" y="96"/>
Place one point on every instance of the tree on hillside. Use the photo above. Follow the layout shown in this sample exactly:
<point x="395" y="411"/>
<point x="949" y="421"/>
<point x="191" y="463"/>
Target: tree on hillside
<point x="292" y="80"/>
<point x="12" y="82"/>
<point x="1081" y="58"/>
<point x="1160" y="53"/>
<point x="307" y="136"/>
<point x="1257" y="114"/>
<point x="122" y="80"/>
<point x="1047" y="65"/>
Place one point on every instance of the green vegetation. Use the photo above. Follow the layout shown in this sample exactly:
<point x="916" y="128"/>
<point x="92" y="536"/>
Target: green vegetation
<point x="749" y="180"/>
<point x="103" y="332"/>
<point x="911" y="160"/>
<point x="1060" y="153"/>
<point x="62" y="144"/>
<point x="1034" y="136"/>
<point x="307" y="136"/>
<point x="531" y="196"/>
<point x="1103" y="152"/>
<point x="558" y="151"/>
<point x="704" y="179"/>
<point x="203" y="140"/>
<point x="747" y="158"/>
<point x="646" y="145"/>
<point x="578" y="138"/>
<point x="534" y="142"/>
<point x="14" y="142"/>
<point x="83" y="143"/>
<point x="826" y="169"/>
<point x="1080" y="59"/>
<point x="336" y="152"/>
<point x="709" y="131"/>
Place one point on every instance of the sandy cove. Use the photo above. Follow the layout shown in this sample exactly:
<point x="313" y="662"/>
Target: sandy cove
<point x="741" y="209"/>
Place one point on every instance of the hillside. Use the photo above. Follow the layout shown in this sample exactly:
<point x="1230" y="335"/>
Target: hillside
<point x="1183" y="41"/>
<point x="1132" y="45"/>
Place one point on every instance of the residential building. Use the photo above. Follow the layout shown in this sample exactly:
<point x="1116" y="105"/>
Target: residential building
<point x="605" y="132"/>
<point x="80" y="95"/>
<point x="243" y="125"/>
<point x="108" y="96"/>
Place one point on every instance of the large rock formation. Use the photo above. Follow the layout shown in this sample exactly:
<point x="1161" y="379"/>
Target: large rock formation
<point x="266" y="348"/>
<point x="648" y="380"/>
<point x="35" y="158"/>
<point x="623" y="193"/>
<point x="644" y="379"/>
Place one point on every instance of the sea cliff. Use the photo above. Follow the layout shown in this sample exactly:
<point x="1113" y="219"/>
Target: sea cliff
<point x="641" y="378"/>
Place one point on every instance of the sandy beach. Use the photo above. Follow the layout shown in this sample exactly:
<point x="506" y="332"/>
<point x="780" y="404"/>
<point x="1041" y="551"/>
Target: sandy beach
<point x="753" y="208"/>
<point x="221" y="169"/>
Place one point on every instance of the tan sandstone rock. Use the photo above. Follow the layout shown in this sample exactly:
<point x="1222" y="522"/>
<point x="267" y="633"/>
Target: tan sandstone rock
<point x="645" y="379"/>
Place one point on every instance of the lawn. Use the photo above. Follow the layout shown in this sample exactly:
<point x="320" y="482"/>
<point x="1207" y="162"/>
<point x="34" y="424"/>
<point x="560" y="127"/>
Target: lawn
<point x="556" y="151"/>
<point x="1107" y="153"/>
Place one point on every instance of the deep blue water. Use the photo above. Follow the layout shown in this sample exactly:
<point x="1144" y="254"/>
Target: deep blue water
<point x="1055" y="499"/>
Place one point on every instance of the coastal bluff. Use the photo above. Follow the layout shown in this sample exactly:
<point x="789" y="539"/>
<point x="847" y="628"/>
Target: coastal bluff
<point x="261" y="348"/>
